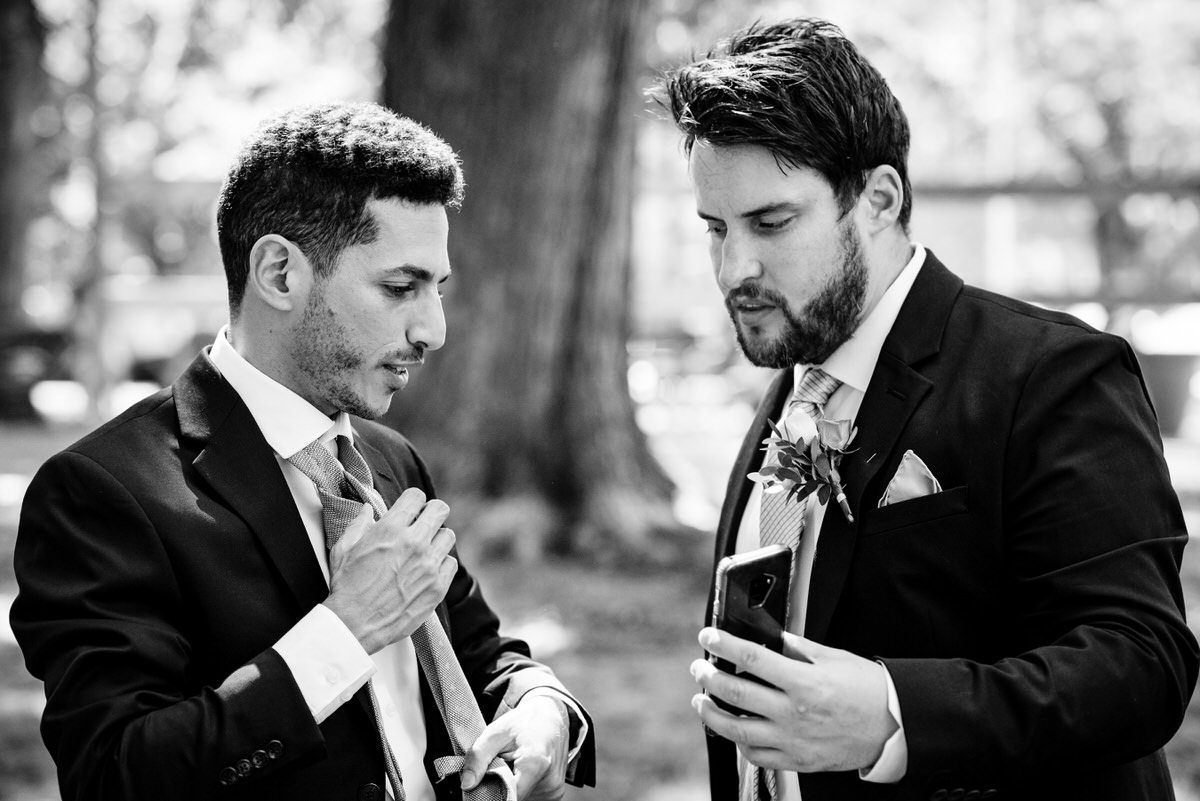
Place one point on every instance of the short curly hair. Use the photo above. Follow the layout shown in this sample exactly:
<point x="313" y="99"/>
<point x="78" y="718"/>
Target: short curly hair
<point x="308" y="172"/>
<point x="801" y="89"/>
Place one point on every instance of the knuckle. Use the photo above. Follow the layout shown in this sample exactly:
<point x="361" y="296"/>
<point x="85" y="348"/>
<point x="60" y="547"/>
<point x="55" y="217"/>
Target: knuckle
<point x="750" y="658"/>
<point x="413" y="497"/>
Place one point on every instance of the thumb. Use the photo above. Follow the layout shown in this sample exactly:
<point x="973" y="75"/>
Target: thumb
<point x="486" y="748"/>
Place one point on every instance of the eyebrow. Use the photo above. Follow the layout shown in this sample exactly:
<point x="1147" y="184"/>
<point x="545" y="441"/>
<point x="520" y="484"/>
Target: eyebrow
<point x="770" y="208"/>
<point x="416" y="273"/>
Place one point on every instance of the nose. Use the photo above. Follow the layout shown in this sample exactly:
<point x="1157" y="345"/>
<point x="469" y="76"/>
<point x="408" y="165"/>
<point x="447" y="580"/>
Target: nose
<point x="428" y="325"/>
<point x="735" y="262"/>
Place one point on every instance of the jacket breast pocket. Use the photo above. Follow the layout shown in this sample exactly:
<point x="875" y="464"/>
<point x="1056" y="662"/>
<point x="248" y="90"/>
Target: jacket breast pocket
<point x="915" y="511"/>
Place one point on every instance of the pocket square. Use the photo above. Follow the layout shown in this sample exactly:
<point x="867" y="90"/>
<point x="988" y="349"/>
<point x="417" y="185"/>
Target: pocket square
<point x="912" y="480"/>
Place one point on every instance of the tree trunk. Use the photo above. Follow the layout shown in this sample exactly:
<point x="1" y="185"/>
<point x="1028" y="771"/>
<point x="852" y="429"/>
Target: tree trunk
<point x="525" y="415"/>
<point x="21" y="83"/>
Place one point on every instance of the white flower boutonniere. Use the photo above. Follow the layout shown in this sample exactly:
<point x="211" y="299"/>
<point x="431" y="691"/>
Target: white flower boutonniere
<point x="806" y="459"/>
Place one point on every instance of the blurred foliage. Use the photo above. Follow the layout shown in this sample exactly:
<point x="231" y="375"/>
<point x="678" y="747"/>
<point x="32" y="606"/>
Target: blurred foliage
<point x="1063" y="89"/>
<point x="175" y="86"/>
<point x="1091" y="93"/>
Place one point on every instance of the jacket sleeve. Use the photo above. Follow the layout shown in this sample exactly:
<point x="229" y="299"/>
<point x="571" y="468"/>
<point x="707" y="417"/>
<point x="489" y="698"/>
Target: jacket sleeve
<point x="102" y="622"/>
<point x="1093" y="534"/>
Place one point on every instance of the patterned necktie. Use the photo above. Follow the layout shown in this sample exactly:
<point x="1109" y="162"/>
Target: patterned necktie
<point x="782" y="521"/>
<point x="343" y="484"/>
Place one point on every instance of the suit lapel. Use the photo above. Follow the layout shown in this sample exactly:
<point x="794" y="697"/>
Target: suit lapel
<point x="893" y="395"/>
<point x="241" y="468"/>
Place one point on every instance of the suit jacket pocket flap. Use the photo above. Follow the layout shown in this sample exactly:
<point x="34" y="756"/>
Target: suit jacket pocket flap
<point x="914" y="511"/>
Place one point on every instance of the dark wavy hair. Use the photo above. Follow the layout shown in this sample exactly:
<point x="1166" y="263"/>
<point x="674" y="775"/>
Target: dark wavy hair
<point x="308" y="172"/>
<point x="801" y="89"/>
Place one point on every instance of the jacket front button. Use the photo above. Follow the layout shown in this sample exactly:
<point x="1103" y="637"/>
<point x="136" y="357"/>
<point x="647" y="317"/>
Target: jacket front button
<point x="370" y="792"/>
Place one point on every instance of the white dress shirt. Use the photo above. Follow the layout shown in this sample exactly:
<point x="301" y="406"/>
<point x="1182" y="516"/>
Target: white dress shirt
<point x="852" y="364"/>
<point x="327" y="661"/>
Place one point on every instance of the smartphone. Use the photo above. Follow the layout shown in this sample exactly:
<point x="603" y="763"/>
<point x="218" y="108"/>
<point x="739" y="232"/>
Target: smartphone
<point x="751" y="602"/>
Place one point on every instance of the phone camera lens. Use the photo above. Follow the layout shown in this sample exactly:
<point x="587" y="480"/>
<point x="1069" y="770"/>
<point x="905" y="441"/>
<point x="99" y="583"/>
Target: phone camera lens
<point x="760" y="589"/>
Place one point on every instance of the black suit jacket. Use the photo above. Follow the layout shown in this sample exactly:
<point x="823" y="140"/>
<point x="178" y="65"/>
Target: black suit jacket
<point x="158" y="559"/>
<point x="1031" y="614"/>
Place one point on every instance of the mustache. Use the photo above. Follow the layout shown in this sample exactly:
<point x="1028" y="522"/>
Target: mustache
<point x="753" y="291"/>
<point x="414" y="354"/>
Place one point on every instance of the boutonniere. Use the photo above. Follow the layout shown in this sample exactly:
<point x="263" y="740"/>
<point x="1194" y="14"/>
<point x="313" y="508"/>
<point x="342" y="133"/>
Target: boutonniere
<point x="806" y="458"/>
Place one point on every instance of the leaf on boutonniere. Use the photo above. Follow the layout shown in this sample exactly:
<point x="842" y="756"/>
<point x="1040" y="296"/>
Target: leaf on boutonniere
<point x="806" y="464"/>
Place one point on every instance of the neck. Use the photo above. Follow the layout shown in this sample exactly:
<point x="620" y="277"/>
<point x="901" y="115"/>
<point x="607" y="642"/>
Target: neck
<point x="255" y="342"/>
<point x="885" y="262"/>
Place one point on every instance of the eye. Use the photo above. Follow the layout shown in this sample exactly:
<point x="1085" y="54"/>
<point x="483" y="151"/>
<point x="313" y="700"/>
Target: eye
<point x="399" y="290"/>
<point x="715" y="229"/>
<point x="774" y="225"/>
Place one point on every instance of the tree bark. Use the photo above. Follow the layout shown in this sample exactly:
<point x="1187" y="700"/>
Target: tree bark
<point x="22" y="39"/>
<point x="525" y="414"/>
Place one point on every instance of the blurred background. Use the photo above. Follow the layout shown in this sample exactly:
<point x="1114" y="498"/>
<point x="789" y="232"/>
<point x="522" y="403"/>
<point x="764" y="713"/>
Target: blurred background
<point x="583" y="417"/>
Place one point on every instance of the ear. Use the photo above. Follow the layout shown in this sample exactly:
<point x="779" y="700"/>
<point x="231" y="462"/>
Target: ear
<point x="280" y="275"/>
<point x="884" y="195"/>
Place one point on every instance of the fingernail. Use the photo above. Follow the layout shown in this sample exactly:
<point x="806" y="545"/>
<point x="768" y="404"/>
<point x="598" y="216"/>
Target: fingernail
<point x="707" y="636"/>
<point x="696" y="703"/>
<point x="467" y="780"/>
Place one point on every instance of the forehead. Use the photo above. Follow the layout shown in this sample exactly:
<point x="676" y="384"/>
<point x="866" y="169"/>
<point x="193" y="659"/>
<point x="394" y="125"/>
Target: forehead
<point x="409" y="233"/>
<point x="741" y="178"/>
<point x="402" y="221"/>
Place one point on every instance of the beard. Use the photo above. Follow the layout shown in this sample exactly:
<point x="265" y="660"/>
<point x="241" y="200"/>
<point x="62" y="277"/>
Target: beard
<point x="811" y="335"/>
<point x="324" y="352"/>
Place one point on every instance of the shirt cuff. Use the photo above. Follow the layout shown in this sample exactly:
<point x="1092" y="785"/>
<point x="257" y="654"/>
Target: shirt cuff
<point x="893" y="762"/>
<point x="578" y="722"/>
<point x="326" y="660"/>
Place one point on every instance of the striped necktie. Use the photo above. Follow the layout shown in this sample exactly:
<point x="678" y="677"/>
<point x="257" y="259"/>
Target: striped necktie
<point x="782" y="521"/>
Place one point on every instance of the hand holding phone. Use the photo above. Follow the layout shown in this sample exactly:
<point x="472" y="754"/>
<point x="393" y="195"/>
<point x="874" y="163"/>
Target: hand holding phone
<point x="751" y="602"/>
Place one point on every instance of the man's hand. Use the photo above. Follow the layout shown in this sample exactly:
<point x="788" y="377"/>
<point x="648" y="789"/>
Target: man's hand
<point x="533" y="738"/>
<point x="387" y="577"/>
<point x="829" y="712"/>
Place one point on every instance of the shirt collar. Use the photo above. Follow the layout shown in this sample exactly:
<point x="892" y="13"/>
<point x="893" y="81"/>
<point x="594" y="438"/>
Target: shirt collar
<point x="854" y="360"/>
<point x="288" y="422"/>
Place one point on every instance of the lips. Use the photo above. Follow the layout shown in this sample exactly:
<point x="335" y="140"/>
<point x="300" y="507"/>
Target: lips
<point x="752" y="312"/>
<point x="400" y="372"/>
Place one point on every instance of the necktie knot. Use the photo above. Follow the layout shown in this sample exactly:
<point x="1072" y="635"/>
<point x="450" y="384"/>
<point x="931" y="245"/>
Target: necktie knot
<point x="343" y="484"/>
<point x="814" y="390"/>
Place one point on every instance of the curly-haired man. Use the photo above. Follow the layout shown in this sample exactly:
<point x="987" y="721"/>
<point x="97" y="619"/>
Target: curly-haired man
<point x="235" y="589"/>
